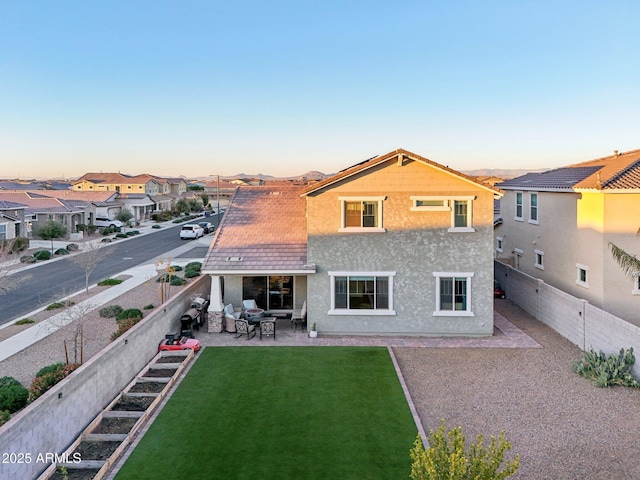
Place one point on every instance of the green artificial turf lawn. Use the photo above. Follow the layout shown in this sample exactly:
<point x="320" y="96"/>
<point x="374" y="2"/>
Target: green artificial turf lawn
<point x="281" y="413"/>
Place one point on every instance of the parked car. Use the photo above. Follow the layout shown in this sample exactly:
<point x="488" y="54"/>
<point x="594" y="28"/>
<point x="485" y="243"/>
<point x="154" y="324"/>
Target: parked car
<point x="207" y="227"/>
<point x="191" y="230"/>
<point x="107" y="222"/>
<point x="173" y="341"/>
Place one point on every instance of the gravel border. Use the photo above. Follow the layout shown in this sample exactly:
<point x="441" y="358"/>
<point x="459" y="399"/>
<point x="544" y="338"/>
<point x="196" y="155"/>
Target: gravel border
<point x="558" y="422"/>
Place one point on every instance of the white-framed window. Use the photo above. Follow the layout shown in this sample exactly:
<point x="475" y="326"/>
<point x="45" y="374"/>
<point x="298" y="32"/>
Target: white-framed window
<point x="533" y="208"/>
<point x="582" y="275"/>
<point x="430" y="204"/>
<point x="3" y="231"/>
<point x="453" y="294"/>
<point x="518" y="215"/>
<point x="636" y="283"/>
<point x="361" y="214"/>
<point x="539" y="263"/>
<point x="461" y="209"/>
<point x="361" y="293"/>
<point x="499" y="244"/>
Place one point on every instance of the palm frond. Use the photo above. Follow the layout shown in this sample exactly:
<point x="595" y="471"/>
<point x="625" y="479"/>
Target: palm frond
<point x="629" y="263"/>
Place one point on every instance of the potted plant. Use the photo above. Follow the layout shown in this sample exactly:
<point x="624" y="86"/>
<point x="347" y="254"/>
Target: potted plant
<point x="313" y="333"/>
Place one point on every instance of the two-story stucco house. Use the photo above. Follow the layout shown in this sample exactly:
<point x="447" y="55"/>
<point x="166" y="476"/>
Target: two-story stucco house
<point x="395" y="245"/>
<point x="557" y="226"/>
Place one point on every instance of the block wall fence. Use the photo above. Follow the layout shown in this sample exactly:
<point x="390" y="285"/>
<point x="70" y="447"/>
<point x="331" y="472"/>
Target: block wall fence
<point x="577" y="320"/>
<point x="52" y="422"/>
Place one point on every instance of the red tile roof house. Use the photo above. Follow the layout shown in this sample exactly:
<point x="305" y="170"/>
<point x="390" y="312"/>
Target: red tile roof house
<point x="395" y="245"/>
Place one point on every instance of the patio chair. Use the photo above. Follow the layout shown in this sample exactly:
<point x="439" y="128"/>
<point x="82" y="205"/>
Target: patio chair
<point x="268" y="327"/>
<point x="299" y="316"/>
<point x="249" y="304"/>
<point x="230" y="317"/>
<point x="243" y="328"/>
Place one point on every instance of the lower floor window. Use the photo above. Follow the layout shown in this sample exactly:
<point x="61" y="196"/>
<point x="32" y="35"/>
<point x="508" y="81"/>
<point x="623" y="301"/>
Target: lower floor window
<point x="270" y="293"/>
<point x="453" y="293"/>
<point x="362" y="292"/>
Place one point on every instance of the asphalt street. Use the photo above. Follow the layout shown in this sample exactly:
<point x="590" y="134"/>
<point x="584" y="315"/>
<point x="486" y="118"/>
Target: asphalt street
<point x="51" y="281"/>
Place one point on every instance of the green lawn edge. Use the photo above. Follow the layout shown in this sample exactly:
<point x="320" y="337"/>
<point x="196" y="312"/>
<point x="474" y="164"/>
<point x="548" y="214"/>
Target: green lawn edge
<point x="281" y="412"/>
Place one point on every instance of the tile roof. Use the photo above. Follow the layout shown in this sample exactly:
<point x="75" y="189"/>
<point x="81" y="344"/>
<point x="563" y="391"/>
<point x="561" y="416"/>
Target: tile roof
<point x="617" y="171"/>
<point x="264" y="231"/>
<point x="391" y="156"/>
<point x="38" y="203"/>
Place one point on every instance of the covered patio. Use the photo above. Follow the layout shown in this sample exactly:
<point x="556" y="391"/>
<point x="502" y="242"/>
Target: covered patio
<point x="259" y="252"/>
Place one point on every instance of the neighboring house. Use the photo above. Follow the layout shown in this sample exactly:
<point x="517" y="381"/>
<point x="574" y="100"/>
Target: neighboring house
<point x="12" y="220"/>
<point x="557" y="226"/>
<point x="94" y="204"/>
<point x="41" y="208"/>
<point x="396" y="245"/>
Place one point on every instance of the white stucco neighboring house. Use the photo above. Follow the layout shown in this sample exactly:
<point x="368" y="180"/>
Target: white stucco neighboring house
<point x="558" y="226"/>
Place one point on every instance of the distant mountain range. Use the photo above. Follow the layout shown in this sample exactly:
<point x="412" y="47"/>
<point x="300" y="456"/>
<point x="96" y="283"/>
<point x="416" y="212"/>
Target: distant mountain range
<point x="504" y="173"/>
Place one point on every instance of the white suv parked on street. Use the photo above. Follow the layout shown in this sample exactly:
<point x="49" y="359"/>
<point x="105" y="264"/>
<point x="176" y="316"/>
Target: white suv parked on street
<point x="191" y="230"/>
<point x="107" y="222"/>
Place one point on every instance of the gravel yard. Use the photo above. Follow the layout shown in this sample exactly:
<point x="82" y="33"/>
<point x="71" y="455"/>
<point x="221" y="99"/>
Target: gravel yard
<point x="561" y="425"/>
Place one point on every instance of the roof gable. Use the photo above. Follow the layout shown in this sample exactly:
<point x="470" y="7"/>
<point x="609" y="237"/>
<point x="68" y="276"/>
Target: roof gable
<point x="397" y="156"/>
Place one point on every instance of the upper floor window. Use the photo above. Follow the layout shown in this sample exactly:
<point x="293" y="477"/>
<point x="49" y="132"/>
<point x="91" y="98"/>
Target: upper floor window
<point x="361" y="214"/>
<point x="518" y="206"/>
<point x="533" y="208"/>
<point x="460" y="207"/>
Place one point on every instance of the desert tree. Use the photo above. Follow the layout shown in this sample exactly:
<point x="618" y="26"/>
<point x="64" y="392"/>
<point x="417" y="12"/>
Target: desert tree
<point x="9" y="281"/>
<point x="51" y="230"/>
<point x="124" y="215"/>
<point x="89" y="257"/>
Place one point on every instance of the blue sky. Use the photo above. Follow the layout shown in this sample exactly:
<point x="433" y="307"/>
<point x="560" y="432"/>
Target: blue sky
<point x="283" y="87"/>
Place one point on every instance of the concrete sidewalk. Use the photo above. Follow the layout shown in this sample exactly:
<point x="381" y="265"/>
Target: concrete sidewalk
<point x="138" y="274"/>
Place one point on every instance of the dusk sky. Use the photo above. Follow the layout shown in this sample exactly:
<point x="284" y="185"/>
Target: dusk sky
<point x="284" y="87"/>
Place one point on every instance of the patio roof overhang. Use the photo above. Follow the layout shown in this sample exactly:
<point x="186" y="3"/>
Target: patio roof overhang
<point x="303" y="271"/>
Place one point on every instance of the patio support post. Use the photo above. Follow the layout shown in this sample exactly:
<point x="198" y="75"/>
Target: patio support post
<point x="216" y="317"/>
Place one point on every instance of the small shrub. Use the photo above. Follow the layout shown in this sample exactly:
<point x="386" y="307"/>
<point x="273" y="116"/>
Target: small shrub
<point x="176" y="268"/>
<point x="130" y="313"/>
<point x="447" y="457"/>
<point x="106" y="231"/>
<point x="28" y="259"/>
<point x="163" y="278"/>
<point x="193" y="266"/>
<point x="133" y="232"/>
<point x="81" y="227"/>
<point x="177" y="281"/>
<point x="13" y="395"/>
<point x="42" y="255"/>
<point x="25" y="321"/>
<point x="149" y="307"/>
<point x="108" y="282"/>
<point x="111" y="311"/>
<point x="54" y="367"/>
<point x="44" y="382"/>
<point x="121" y="235"/>
<point x="63" y="304"/>
<point x="4" y="417"/>
<point x="61" y="251"/>
<point x="191" y="273"/>
<point x="106" y="240"/>
<point x="123" y="326"/>
<point x="606" y="371"/>
<point x="72" y="247"/>
<point x="156" y="226"/>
